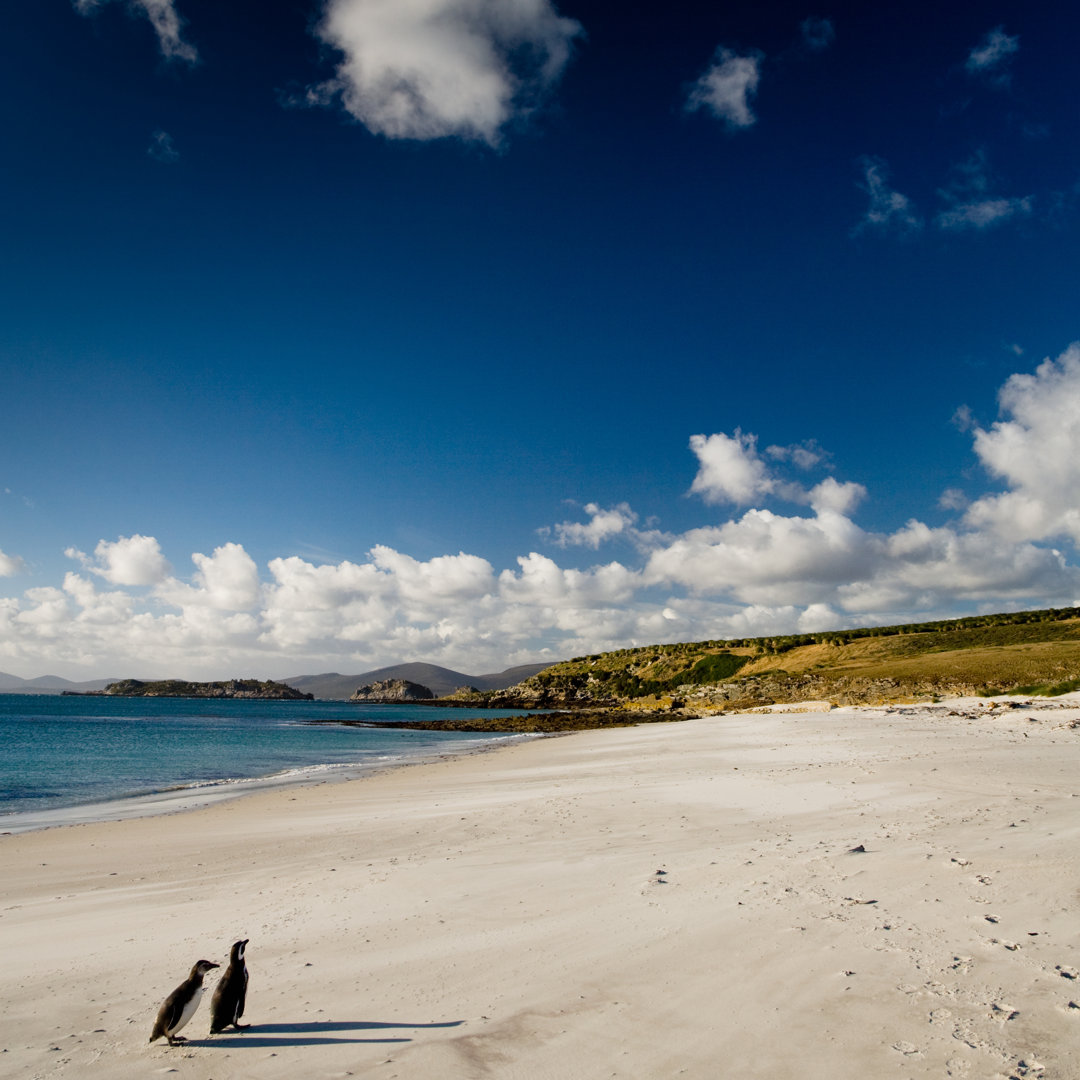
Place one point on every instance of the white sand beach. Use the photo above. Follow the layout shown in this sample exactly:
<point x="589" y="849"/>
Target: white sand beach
<point x="873" y="892"/>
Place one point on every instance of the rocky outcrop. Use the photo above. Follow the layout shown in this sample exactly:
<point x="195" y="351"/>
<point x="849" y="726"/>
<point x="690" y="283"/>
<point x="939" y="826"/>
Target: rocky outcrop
<point x="232" y="688"/>
<point x="391" y="692"/>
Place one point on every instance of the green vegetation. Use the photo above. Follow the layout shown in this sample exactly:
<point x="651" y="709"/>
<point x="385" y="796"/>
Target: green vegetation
<point x="1031" y="652"/>
<point x="1050" y="689"/>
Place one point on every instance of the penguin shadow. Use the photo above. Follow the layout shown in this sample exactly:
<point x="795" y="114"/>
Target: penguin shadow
<point x="313" y="1033"/>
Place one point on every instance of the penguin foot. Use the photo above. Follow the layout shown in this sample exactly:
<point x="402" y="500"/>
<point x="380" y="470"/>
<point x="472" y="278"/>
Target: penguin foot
<point x="176" y="1040"/>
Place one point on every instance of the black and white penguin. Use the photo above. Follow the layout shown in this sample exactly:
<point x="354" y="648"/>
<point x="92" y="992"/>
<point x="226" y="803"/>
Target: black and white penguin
<point x="227" y="1005"/>
<point x="179" y="1007"/>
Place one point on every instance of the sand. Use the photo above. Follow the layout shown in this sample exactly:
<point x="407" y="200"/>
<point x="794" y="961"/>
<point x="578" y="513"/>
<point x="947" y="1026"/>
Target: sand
<point x="857" y="893"/>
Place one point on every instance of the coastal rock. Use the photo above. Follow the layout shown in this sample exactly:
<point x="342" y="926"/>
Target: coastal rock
<point x="391" y="692"/>
<point x="232" y="688"/>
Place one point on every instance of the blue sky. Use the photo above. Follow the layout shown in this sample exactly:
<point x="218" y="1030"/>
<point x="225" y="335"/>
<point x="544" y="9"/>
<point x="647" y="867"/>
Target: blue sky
<point x="343" y="332"/>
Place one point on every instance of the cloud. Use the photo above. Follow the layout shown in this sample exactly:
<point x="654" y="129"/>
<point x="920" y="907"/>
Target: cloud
<point x="970" y="200"/>
<point x="729" y="468"/>
<point x="982" y="213"/>
<point x="1036" y="452"/>
<point x="602" y="526"/>
<point x="10" y="565"/>
<point x="162" y="148"/>
<point x="732" y="471"/>
<point x="758" y="571"/>
<point x="805" y="455"/>
<point x="817" y="33"/>
<point x="993" y="54"/>
<point x="430" y="69"/>
<point x="130" y="560"/>
<point x="227" y="580"/>
<point x="727" y="88"/>
<point x="888" y="210"/>
<point x="163" y="18"/>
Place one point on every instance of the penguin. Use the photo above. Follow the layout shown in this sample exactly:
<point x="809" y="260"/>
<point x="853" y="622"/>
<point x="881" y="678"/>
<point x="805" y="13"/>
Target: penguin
<point x="227" y="1005"/>
<point x="179" y="1007"/>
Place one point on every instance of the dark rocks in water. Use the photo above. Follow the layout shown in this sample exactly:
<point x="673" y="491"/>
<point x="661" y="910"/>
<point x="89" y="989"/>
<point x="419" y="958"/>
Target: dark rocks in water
<point x="552" y="723"/>
<point x="391" y="692"/>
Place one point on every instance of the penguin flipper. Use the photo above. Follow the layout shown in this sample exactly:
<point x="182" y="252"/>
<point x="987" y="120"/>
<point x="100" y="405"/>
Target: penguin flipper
<point x="169" y="1014"/>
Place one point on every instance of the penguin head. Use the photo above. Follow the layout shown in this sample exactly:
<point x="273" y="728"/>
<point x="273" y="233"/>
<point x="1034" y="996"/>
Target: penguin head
<point x="203" y="966"/>
<point x="238" y="949"/>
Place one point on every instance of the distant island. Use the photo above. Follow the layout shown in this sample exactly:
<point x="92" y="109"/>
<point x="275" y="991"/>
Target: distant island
<point x="392" y="692"/>
<point x="231" y="688"/>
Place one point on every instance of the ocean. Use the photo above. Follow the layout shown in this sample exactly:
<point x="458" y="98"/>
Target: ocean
<point x="66" y="760"/>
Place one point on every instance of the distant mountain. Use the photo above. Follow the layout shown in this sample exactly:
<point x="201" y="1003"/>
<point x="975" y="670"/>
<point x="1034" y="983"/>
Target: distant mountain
<point x="329" y="687"/>
<point x="46" y="684"/>
<point x="439" y="680"/>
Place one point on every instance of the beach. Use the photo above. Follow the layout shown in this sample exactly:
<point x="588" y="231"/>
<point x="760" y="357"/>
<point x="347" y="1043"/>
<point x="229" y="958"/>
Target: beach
<point x="864" y="892"/>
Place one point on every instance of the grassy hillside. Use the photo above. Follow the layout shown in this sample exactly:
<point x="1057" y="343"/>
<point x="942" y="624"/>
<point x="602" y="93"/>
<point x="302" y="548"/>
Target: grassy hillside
<point x="1024" y="652"/>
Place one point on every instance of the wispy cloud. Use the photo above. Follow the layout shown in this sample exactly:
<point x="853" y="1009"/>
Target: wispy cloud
<point x="971" y="201"/>
<point x="162" y="148"/>
<point x="817" y="33"/>
<point x="431" y="69"/>
<point x="727" y="88"/>
<point x="163" y="17"/>
<point x="888" y="210"/>
<point x="991" y="57"/>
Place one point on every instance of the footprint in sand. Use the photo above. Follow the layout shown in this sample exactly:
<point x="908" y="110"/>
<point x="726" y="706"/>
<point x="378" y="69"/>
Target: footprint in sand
<point x="963" y="1033"/>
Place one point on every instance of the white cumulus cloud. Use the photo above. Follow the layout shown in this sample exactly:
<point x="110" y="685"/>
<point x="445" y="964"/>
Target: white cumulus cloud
<point x="730" y="468"/>
<point x="727" y="88"/>
<point x="603" y="525"/>
<point x="130" y="560"/>
<point x="1036" y="452"/>
<point x="10" y="565"/>
<point x="429" y="69"/>
<point x="755" y="572"/>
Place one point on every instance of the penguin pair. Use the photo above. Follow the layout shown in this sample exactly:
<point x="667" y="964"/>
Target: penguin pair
<point x="226" y="1006"/>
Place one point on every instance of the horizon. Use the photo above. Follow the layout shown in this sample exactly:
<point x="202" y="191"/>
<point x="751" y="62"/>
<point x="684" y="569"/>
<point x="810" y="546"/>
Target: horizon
<point x="603" y="330"/>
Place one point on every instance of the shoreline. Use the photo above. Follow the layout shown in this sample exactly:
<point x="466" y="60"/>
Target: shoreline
<point x="182" y="798"/>
<point x="870" y="891"/>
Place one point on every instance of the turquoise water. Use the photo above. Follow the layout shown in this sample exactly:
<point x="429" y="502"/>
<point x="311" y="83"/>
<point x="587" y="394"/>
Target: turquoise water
<point x="62" y="754"/>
